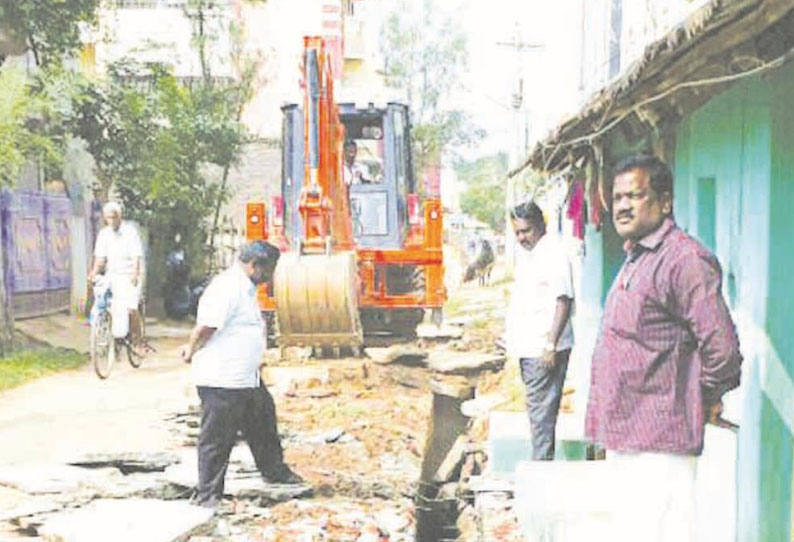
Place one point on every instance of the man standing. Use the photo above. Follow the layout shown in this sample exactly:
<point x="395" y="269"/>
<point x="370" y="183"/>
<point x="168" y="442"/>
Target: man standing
<point x="666" y="353"/>
<point x="119" y="253"/>
<point x="538" y="322"/>
<point x="226" y="349"/>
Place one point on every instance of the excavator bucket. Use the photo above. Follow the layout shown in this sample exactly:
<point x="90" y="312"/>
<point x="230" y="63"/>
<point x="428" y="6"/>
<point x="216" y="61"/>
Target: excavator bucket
<point x="316" y="300"/>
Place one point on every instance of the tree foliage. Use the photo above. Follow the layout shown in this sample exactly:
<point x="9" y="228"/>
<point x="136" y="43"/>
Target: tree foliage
<point x="424" y="55"/>
<point x="23" y="115"/>
<point x="484" y="196"/>
<point x="49" y="28"/>
<point x="154" y="145"/>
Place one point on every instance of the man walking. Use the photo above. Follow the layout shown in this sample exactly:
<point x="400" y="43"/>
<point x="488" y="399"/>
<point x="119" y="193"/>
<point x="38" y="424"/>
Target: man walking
<point x="538" y="322"/>
<point x="226" y="349"/>
<point x="666" y="353"/>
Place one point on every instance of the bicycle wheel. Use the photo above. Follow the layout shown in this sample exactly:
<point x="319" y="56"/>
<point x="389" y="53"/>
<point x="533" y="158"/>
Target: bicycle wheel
<point x="135" y="357"/>
<point x="103" y="348"/>
<point x="137" y="352"/>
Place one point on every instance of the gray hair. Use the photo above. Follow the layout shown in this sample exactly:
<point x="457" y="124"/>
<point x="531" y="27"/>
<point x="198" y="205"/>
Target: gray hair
<point x="530" y="212"/>
<point x="259" y="252"/>
<point x="111" y="207"/>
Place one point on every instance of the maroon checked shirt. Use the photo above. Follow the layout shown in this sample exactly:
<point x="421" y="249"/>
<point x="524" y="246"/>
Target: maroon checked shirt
<point x="667" y="345"/>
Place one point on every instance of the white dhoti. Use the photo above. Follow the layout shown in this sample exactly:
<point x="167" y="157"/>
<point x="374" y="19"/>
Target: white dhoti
<point x="126" y="297"/>
<point x="655" y="496"/>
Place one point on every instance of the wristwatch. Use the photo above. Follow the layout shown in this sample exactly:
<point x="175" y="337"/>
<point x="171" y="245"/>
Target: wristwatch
<point x="550" y="346"/>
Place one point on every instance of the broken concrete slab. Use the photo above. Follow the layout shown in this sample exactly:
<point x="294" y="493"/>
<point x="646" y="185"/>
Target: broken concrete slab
<point x="241" y="482"/>
<point x="29" y="507"/>
<point x="128" y="462"/>
<point x="131" y="520"/>
<point x="489" y="484"/>
<point x="452" y="461"/>
<point x="482" y="405"/>
<point x="139" y="484"/>
<point x="408" y="354"/>
<point x="253" y="487"/>
<point x="448" y="362"/>
<point x="432" y="331"/>
<point x="52" y="479"/>
<point x="459" y="387"/>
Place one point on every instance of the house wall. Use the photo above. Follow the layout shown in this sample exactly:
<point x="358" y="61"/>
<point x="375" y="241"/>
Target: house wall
<point x="734" y="185"/>
<point x="616" y="32"/>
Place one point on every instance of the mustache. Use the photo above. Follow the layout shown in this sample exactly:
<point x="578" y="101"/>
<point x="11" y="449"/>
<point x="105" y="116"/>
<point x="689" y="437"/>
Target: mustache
<point x="626" y="214"/>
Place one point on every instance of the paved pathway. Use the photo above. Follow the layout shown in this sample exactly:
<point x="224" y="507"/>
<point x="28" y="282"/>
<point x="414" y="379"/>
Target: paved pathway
<point x="72" y="413"/>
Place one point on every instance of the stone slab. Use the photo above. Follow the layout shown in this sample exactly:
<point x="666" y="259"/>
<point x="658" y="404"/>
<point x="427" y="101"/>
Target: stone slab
<point x="450" y="362"/>
<point x="52" y="479"/>
<point x="29" y="507"/>
<point x="130" y="520"/>
<point x="431" y="331"/>
<point x="398" y="352"/>
<point x="128" y="462"/>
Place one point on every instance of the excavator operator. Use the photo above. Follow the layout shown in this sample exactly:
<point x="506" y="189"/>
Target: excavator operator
<point x="355" y="172"/>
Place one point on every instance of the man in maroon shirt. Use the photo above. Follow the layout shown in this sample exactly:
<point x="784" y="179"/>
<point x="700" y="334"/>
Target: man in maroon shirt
<point x="666" y="353"/>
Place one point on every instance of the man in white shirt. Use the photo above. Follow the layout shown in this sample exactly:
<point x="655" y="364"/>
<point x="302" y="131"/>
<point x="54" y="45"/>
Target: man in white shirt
<point x="119" y="253"/>
<point x="225" y="349"/>
<point x="354" y="172"/>
<point x="539" y="330"/>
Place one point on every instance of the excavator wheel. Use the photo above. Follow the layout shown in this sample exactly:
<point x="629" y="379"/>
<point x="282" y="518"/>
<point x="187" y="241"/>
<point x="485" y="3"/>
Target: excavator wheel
<point x="316" y="302"/>
<point x="395" y="322"/>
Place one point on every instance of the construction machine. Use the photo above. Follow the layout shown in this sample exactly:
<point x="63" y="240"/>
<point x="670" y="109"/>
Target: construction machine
<point x="361" y="254"/>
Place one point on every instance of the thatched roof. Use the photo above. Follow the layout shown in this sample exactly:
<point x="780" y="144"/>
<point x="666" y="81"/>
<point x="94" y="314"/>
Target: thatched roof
<point x="718" y="44"/>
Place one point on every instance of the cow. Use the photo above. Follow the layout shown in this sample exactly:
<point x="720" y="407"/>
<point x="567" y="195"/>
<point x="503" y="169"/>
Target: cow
<point x="481" y="264"/>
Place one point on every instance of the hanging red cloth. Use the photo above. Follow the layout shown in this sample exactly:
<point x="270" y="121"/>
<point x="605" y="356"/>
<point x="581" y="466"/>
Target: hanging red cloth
<point x="594" y="202"/>
<point x="576" y="208"/>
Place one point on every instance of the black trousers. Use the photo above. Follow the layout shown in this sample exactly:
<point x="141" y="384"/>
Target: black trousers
<point x="226" y="412"/>
<point x="544" y="393"/>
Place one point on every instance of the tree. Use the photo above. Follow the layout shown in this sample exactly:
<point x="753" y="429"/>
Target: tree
<point x="21" y="115"/>
<point x="484" y="196"/>
<point x="153" y="146"/>
<point x="201" y="13"/>
<point x="424" y="55"/>
<point x="50" y="28"/>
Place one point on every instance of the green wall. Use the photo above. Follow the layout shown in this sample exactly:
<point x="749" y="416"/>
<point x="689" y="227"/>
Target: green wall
<point x="735" y="190"/>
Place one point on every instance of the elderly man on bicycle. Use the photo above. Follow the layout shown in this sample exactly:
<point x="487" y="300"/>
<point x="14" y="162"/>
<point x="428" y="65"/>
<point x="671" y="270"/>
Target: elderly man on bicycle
<point x="119" y="254"/>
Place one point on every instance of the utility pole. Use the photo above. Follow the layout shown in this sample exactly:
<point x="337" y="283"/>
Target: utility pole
<point x="520" y="135"/>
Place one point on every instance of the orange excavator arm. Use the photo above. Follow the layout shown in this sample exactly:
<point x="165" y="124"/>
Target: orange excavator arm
<point x="324" y="203"/>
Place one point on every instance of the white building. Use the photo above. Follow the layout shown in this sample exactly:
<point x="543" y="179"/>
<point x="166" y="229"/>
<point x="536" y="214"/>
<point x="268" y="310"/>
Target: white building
<point x="267" y="33"/>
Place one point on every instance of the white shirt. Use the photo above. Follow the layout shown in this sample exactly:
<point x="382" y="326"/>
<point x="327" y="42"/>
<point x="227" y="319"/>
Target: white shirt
<point x="232" y="355"/>
<point x="121" y="248"/>
<point x="541" y="276"/>
<point x="355" y="174"/>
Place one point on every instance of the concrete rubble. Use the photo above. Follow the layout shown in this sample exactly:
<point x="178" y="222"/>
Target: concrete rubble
<point x="127" y="463"/>
<point x="388" y="446"/>
<point x="129" y="520"/>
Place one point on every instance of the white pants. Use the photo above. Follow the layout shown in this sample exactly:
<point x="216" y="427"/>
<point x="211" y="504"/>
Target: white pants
<point x="655" y="497"/>
<point x="126" y="297"/>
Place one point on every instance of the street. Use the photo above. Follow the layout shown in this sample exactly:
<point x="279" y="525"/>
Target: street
<point x="357" y="430"/>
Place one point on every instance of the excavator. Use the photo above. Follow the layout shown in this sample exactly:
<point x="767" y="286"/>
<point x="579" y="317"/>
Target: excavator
<point x="359" y="257"/>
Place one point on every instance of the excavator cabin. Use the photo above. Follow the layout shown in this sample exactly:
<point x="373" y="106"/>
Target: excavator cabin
<point x="350" y="164"/>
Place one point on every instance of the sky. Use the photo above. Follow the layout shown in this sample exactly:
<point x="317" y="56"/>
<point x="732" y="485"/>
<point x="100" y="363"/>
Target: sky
<point x="549" y="71"/>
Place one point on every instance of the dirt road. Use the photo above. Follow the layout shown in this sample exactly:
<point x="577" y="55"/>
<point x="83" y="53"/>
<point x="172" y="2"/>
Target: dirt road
<point x="354" y="429"/>
<point x="58" y="418"/>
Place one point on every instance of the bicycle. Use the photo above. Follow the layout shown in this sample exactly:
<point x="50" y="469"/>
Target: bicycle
<point x="104" y="347"/>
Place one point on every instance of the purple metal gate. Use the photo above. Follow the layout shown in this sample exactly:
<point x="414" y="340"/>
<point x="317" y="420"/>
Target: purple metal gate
<point x="35" y="243"/>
